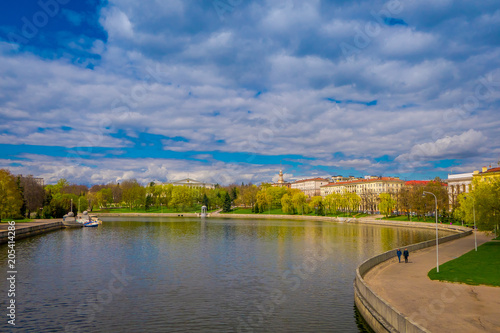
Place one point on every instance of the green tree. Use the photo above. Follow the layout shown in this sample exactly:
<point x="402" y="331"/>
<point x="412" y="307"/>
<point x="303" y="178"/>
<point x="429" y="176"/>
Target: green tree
<point x="316" y="204"/>
<point x="299" y="200"/>
<point x="386" y="204"/>
<point x="227" y="203"/>
<point x="484" y="201"/>
<point x="10" y="196"/>
<point x="287" y="204"/>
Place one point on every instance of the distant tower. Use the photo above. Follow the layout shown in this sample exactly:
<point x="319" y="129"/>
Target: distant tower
<point x="280" y="179"/>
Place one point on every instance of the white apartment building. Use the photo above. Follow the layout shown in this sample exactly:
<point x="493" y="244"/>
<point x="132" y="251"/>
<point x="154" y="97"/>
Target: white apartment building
<point x="310" y="187"/>
<point x="363" y="186"/>
<point x="459" y="183"/>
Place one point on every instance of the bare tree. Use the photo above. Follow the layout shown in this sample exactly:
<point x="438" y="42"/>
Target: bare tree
<point x="33" y="193"/>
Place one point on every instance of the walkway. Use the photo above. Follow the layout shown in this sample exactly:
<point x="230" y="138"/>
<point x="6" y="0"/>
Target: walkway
<point x="438" y="306"/>
<point x="27" y="229"/>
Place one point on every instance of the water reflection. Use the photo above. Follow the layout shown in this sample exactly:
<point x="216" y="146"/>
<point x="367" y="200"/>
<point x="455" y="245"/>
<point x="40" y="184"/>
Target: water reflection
<point x="185" y="275"/>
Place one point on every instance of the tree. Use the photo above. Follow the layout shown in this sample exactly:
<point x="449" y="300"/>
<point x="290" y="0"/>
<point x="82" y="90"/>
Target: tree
<point x="227" y="203"/>
<point x="33" y="194"/>
<point x="332" y="202"/>
<point x="299" y="199"/>
<point x="10" y="196"/>
<point x="133" y="193"/>
<point x="484" y="201"/>
<point x="387" y="203"/>
<point x="316" y="204"/>
<point x="287" y="204"/>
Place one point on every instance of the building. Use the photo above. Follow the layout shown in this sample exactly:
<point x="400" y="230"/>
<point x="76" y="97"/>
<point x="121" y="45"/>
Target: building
<point x="487" y="173"/>
<point x="368" y="189"/>
<point x="457" y="184"/>
<point x="192" y="183"/>
<point x="310" y="187"/>
<point x="281" y="182"/>
<point x="363" y="186"/>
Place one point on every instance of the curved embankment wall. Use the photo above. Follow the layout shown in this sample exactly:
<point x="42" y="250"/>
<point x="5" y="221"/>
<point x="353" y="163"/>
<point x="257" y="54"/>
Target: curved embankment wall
<point x="28" y="231"/>
<point x="233" y="216"/>
<point x="378" y="313"/>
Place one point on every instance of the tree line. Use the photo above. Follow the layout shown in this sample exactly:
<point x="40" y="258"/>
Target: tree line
<point x="23" y="196"/>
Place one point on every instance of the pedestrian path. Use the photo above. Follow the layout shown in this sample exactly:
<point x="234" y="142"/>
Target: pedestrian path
<point x="437" y="306"/>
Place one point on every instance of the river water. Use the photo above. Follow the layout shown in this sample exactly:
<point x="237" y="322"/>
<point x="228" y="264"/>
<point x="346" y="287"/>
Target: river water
<point x="185" y="275"/>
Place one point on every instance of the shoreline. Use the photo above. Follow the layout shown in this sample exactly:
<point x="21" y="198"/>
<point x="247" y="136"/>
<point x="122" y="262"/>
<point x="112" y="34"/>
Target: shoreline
<point x="377" y="312"/>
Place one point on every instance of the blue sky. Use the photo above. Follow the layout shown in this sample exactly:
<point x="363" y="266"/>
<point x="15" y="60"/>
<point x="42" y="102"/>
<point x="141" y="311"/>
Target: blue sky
<point x="228" y="90"/>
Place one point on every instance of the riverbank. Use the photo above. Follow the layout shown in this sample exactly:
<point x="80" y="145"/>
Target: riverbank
<point x="28" y="229"/>
<point x="433" y="305"/>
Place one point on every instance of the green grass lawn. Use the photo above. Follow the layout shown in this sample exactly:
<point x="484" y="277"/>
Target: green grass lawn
<point x="475" y="268"/>
<point x="142" y="210"/>
<point x="278" y="211"/>
<point x="413" y="219"/>
<point x="498" y="238"/>
<point x="6" y="220"/>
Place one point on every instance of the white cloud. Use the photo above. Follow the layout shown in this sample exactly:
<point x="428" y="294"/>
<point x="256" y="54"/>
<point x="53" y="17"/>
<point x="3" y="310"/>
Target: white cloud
<point x="116" y="23"/>
<point x="470" y="143"/>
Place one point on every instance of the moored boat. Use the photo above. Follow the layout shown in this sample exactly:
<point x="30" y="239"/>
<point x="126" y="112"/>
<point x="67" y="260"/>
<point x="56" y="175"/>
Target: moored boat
<point x="69" y="221"/>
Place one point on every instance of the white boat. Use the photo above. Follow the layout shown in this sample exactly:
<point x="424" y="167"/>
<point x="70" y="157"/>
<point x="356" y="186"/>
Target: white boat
<point x="69" y="221"/>
<point x="85" y="218"/>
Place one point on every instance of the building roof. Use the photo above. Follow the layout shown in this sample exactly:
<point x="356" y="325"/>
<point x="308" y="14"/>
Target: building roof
<point x="188" y="181"/>
<point x="421" y="182"/>
<point x="491" y="170"/>
<point x="310" y="179"/>
<point x="460" y="175"/>
<point x="357" y="181"/>
<point x="417" y="182"/>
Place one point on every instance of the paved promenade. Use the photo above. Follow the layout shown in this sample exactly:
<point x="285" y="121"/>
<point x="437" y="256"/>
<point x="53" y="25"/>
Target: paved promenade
<point x="438" y="306"/>
<point x="27" y="229"/>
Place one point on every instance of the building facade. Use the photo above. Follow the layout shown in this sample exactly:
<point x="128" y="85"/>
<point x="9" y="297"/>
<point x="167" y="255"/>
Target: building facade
<point x="487" y="173"/>
<point x="192" y="183"/>
<point x="457" y="184"/>
<point x="363" y="186"/>
<point x="310" y="187"/>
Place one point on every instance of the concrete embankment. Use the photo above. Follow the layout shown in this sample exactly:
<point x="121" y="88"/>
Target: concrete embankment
<point x="28" y="229"/>
<point x="378" y="313"/>
<point x="232" y="216"/>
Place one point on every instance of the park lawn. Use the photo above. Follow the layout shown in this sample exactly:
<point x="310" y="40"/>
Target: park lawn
<point x="278" y="211"/>
<point x="474" y="268"/>
<point x="413" y="219"/>
<point x="6" y="220"/>
<point x="152" y="210"/>
<point x="498" y="238"/>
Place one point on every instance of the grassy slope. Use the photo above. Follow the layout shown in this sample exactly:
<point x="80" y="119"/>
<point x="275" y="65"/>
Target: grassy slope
<point x="278" y="211"/>
<point x="475" y="268"/>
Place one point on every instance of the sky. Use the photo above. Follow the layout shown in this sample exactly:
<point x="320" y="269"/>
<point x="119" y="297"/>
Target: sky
<point x="230" y="91"/>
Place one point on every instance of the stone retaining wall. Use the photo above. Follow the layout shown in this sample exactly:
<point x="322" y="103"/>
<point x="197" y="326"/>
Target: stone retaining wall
<point x="28" y="231"/>
<point x="379" y="314"/>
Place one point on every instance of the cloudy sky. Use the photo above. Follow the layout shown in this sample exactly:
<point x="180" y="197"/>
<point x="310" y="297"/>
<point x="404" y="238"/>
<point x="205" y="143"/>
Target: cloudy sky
<point x="227" y="90"/>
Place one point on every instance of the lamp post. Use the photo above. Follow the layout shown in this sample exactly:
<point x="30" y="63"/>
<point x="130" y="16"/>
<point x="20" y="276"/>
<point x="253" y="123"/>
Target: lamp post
<point x="437" y="243"/>
<point x="474" y="214"/>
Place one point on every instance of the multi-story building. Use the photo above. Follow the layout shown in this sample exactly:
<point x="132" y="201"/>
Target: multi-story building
<point x="457" y="184"/>
<point x="362" y="186"/>
<point x="192" y="183"/>
<point x="310" y="187"/>
<point x="487" y="173"/>
<point x="368" y="189"/>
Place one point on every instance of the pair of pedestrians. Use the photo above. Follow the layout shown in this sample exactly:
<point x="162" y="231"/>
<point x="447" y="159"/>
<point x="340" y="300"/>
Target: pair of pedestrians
<point x="406" y="254"/>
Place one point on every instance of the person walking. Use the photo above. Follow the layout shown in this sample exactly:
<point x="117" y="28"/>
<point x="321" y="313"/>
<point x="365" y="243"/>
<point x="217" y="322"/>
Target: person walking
<point x="406" y="254"/>
<point x="399" y="254"/>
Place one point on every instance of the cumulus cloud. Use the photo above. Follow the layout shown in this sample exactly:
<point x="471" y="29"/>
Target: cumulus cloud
<point x="467" y="144"/>
<point x="268" y="80"/>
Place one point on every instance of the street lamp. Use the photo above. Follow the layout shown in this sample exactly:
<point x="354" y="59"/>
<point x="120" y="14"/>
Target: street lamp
<point x="437" y="244"/>
<point x="474" y="214"/>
